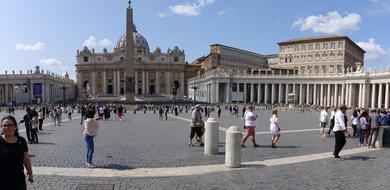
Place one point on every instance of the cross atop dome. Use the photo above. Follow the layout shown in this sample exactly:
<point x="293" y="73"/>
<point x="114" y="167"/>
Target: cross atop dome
<point x="129" y="3"/>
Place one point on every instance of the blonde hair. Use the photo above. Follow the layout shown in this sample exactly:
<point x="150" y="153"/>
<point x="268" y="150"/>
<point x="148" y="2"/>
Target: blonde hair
<point x="274" y="112"/>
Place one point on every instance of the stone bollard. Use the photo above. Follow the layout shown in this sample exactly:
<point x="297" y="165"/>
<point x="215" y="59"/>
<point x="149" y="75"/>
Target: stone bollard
<point x="233" y="147"/>
<point x="211" y="137"/>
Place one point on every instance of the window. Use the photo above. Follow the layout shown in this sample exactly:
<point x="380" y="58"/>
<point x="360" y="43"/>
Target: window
<point x="234" y="87"/>
<point x="241" y="88"/>
<point x="85" y="59"/>
<point x="140" y="59"/>
<point x="176" y="59"/>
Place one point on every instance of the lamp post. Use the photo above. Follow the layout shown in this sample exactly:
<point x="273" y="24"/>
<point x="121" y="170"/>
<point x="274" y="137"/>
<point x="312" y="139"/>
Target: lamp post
<point x="194" y="87"/>
<point x="63" y="88"/>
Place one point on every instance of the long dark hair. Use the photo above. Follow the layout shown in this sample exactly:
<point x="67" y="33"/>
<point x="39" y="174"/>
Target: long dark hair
<point x="12" y="118"/>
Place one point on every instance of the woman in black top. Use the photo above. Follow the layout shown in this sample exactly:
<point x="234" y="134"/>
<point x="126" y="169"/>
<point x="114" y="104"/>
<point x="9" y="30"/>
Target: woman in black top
<point x="13" y="156"/>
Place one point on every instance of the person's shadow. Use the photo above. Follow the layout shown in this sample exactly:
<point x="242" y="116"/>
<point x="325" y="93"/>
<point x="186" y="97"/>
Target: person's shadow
<point x="363" y="158"/>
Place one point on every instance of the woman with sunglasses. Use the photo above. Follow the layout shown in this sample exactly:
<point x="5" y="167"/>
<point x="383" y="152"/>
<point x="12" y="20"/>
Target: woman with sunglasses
<point x="13" y="157"/>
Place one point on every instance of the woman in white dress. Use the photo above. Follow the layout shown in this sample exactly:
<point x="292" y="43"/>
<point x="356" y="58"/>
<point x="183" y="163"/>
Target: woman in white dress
<point x="274" y="127"/>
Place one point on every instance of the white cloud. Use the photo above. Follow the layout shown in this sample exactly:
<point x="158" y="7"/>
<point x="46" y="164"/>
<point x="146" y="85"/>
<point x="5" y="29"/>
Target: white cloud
<point x="30" y="47"/>
<point x="332" y="23"/>
<point x="93" y="42"/>
<point x="222" y="12"/>
<point x="52" y="62"/>
<point x="373" y="50"/>
<point x="162" y="14"/>
<point x="190" y="9"/>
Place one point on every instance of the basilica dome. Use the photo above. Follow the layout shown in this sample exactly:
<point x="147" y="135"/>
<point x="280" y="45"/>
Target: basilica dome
<point x="140" y="43"/>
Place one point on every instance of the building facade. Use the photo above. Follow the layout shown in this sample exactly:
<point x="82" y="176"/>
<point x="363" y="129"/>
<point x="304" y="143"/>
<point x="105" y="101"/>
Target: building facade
<point x="133" y="69"/>
<point x="330" y="80"/>
<point x="35" y="87"/>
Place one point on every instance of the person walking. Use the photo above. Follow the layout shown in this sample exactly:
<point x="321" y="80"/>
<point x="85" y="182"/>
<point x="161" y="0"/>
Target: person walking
<point x="91" y="127"/>
<point x="323" y="121"/>
<point x="160" y="113"/>
<point x="27" y="123"/>
<point x="219" y="111"/>
<point x="82" y="111"/>
<point x="56" y="117"/>
<point x="197" y="126"/>
<point x="374" y="120"/>
<point x="166" y="113"/>
<point x="274" y="127"/>
<point x="250" y="125"/>
<point x="69" y="110"/>
<point x="41" y="117"/>
<point x="14" y="157"/>
<point x="354" y="123"/>
<point x="34" y="130"/>
<point x="362" y="128"/>
<point x="340" y="131"/>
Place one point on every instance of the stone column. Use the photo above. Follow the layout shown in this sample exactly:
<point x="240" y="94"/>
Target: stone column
<point x="147" y="82"/>
<point x="350" y="95"/>
<point x="364" y="95"/>
<point x="136" y="82"/>
<point x="143" y="83"/>
<point x="182" y="85"/>
<point x="104" y="82"/>
<point x="168" y="83"/>
<point x="217" y="92"/>
<point x="258" y="93"/>
<point x="6" y="93"/>
<point x="315" y="102"/>
<point x="228" y="89"/>
<point x="119" y="82"/>
<point x="300" y="94"/>
<point x="322" y="95"/>
<point x="380" y="96"/>
<point x="252" y="92"/>
<point x="373" y="95"/>
<point x="280" y="93"/>
<point x="341" y="100"/>
<point x="328" y="96"/>
<point x="43" y="97"/>
<point x="157" y="82"/>
<point x="266" y="93"/>
<point x="245" y="91"/>
<point x="307" y="94"/>
<point x="387" y="96"/>
<point x="286" y="95"/>
<point x="336" y="94"/>
<point x="360" y="98"/>
<point x="272" y="93"/>
<point x="114" y="82"/>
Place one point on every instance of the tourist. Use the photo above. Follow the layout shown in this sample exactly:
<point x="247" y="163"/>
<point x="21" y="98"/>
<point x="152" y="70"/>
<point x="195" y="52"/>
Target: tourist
<point x="219" y="111"/>
<point x="354" y="123"/>
<point x="59" y="111"/>
<point x="82" y="111"/>
<point x="27" y="123"/>
<point x="362" y="128"/>
<point x="166" y="112"/>
<point x="91" y="127"/>
<point x="14" y="157"/>
<point x="339" y="131"/>
<point x="34" y="129"/>
<point x="323" y="121"/>
<point x="374" y="120"/>
<point x="250" y="125"/>
<point x="197" y="126"/>
<point x="160" y="113"/>
<point x="274" y="127"/>
<point x="41" y="117"/>
<point x="332" y="116"/>
<point x="56" y="117"/>
<point x="69" y="110"/>
<point x="120" y="113"/>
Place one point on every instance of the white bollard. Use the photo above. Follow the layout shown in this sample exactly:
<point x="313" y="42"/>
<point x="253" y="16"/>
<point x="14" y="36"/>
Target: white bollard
<point x="211" y="137"/>
<point x="233" y="147"/>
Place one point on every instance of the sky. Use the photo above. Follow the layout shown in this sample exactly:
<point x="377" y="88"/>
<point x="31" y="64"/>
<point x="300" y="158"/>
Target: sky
<point x="49" y="32"/>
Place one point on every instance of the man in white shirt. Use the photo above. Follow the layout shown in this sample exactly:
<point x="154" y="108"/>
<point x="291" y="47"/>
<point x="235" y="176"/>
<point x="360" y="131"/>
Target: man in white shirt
<point x="250" y="125"/>
<point x="323" y="121"/>
<point x="340" y="130"/>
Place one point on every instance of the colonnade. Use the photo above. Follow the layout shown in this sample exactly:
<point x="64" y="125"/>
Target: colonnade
<point x="368" y="95"/>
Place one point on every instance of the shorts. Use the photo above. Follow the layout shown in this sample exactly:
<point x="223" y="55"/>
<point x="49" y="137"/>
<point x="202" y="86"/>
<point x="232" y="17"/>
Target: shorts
<point x="196" y="130"/>
<point x="322" y="124"/>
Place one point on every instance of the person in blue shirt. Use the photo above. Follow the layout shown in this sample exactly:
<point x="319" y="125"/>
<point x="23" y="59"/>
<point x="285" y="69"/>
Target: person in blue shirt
<point x="27" y="123"/>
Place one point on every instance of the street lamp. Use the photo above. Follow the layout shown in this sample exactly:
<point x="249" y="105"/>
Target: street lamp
<point x="194" y="87"/>
<point x="63" y="88"/>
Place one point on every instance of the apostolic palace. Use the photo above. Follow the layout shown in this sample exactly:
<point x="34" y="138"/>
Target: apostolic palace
<point x="324" y="70"/>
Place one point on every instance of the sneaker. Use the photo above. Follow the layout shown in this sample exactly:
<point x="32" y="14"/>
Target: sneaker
<point x="256" y="145"/>
<point x="90" y="165"/>
<point x="243" y="146"/>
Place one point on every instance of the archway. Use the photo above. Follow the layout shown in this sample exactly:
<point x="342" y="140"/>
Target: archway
<point x="152" y="89"/>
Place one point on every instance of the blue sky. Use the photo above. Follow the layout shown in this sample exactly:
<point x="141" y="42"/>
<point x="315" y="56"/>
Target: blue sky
<point x="48" y="32"/>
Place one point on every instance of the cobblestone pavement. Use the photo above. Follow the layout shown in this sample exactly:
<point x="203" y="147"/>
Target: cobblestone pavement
<point x="142" y="141"/>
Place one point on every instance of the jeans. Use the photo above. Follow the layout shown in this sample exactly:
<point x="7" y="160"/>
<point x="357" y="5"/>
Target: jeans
<point x="374" y="132"/>
<point x="90" y="148"/>
<point x="34" y="135"/>
<point x="362" y="134"/>
<point x="40" y="123"/>
<point x="82" y="118"/>
<point x="339" y="142"/>
<point x="28" y="133"/>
